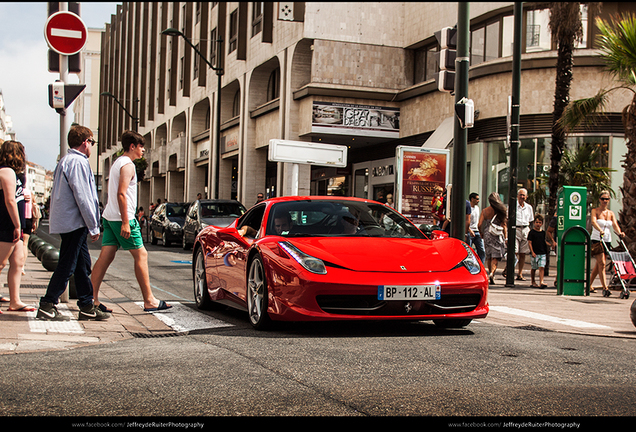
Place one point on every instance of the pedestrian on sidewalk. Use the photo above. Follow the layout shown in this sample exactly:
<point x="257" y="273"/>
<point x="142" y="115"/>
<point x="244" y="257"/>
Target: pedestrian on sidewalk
<point x="121" y="228"/>
<point x="12" y="162"/>
<point x="74" y="215"/>
<point x="492" y="226"/>
<point x="525" y="216"/>
<point x="603" y="220"/>
<point x="474" y="237"/>
<point x="539" y="250"/>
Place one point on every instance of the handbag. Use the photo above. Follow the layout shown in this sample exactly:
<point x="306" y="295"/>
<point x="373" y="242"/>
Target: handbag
<point x="597" y="248"/>
<point x="495" y="229"/>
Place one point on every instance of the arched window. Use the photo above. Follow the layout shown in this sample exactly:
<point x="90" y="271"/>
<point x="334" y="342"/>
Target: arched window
<point x="236" y="104"/>
<point x="273" y="85"/>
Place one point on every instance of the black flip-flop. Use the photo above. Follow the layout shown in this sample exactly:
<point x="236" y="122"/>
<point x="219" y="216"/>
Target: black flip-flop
<point x="162" y="306"/>
<point x="103" y="308"/>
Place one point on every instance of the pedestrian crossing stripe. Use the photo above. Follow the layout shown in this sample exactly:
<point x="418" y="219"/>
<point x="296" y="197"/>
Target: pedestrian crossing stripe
<point x="542" y="317"/>
<point x="182" y="318"/>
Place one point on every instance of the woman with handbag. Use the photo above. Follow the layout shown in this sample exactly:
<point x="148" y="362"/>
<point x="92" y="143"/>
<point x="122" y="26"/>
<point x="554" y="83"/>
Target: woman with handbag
<point x="492" y="227"/>
<point x="603" y="220"/>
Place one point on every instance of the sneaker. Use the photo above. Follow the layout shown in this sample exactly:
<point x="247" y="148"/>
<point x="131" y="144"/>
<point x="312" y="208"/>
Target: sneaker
<point x="92" y="312"/>
<point x="48" y="312"/>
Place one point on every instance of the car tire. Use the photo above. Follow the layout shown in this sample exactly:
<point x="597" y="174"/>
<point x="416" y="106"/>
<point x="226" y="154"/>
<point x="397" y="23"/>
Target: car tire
<point x="153" y="239"/>
<point x="257" y="295"/>
<point x="452" y="323"/>
<point x="201" y="295"/>
<point x="164" y="239"/>
<point x="184" y="244"/>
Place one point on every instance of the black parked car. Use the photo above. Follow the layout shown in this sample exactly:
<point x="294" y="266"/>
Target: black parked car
<point x="206" y="212"/>
<point x="166" y="223"/>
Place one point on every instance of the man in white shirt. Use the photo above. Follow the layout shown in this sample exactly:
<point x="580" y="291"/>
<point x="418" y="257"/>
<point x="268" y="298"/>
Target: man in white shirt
<point x="474" y="237"/>
<point x="525" y="216"/>
<point x="121" y="228"/>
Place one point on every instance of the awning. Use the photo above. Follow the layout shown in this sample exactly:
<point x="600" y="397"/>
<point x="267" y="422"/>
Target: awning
<point x="443" y="135"/>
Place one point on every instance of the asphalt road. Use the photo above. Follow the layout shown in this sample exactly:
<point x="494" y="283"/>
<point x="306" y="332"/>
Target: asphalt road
<point x="397" y="369"/>
<point x="490" y="372"/>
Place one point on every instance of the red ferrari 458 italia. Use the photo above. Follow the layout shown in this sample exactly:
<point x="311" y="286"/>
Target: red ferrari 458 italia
<point x="336" y="258"/>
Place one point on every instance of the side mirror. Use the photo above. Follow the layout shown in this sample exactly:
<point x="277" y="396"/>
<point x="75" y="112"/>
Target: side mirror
<point x="231" y="234"/>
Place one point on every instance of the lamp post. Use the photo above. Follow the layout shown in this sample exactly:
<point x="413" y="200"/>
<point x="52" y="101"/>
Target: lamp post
<point x="134" y="118"/>
<point x="219" y="73"/>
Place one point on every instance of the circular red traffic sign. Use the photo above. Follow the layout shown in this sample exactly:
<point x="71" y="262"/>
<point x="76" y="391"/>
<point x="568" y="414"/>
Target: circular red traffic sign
<point x="65" y="33"/>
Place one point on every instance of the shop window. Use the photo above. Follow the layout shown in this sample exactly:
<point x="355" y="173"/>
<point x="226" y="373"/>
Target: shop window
<point x="257" y="17"/>
<point x="361" y="183"/>
<point x="273" y="85"/>
<point x="236" y="104"/>
<point x="232" y="44"/>
<point x="425" y="63"/>
<point x="538" y="36"/>
<point x="213" y="45"/>
<point x="195" y="73"/>
<point x="485" y="43"/>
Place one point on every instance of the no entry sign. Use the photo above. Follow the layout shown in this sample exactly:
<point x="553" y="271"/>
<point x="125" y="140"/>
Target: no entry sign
<point x="65" y="33"/>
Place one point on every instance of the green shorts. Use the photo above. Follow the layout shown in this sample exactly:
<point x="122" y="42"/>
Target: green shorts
<point x="112" y="235"/>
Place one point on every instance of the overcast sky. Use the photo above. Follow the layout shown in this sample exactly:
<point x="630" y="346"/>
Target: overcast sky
<point x="24" y="75"/>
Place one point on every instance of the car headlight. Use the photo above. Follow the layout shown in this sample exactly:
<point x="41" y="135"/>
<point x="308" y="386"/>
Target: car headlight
<point x="470" y="262"/>
<point x="308" y="262"/>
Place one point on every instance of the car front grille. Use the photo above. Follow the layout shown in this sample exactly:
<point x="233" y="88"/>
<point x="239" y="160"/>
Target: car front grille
<point x="369" y="305"/>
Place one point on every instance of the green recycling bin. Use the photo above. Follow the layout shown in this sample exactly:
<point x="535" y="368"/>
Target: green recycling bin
<point x="573" y="269"/>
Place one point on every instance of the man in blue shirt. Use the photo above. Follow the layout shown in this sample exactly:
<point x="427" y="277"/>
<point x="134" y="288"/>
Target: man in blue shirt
<point x="74" y="215"/>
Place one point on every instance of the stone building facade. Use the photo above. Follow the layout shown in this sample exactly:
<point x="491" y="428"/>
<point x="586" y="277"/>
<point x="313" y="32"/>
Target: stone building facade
<point x="290" y="71"/>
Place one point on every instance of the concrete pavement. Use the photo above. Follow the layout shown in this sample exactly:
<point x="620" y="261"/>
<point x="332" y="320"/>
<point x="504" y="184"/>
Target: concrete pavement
<point x="518" y="306"/>
<point x="22" y="332"/>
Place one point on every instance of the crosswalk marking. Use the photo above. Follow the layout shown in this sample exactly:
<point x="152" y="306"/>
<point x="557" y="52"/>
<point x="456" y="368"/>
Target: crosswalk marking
<point x="542" y="317"/>
<point x="182" y="318"/>
<point x="44" y="326"/>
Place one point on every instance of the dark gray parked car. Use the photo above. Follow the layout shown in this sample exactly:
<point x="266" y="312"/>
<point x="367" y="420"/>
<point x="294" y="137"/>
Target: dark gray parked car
<point x="166" y="223"/>
<point x="206" y="212"/>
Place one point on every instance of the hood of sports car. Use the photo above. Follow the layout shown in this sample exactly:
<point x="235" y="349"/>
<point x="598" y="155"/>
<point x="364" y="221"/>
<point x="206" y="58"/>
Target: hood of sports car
<point x="384" y="254"/>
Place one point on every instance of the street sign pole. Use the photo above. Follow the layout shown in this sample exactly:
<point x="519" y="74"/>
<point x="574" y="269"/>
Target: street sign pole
<point x="66" y="34"/>
<point x="460" y="134"/>
<point x="64" y="79"/>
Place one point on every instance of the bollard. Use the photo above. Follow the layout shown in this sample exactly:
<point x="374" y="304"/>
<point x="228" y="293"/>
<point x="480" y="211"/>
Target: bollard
<point x="49" y="258"/>
<point x="43" y="248"/>
<point x="32" y="238"/>
<point x="35" y="244"/>
<point x="632" y="313"/>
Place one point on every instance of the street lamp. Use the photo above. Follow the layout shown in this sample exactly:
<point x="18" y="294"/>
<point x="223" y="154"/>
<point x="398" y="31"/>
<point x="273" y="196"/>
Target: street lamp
<point x="135" y="119"/>
<point x="219" y="73"/>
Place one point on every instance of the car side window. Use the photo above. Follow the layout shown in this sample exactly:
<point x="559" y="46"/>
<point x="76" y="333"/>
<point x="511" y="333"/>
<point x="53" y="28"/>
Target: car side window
<point x="250" y="222"/>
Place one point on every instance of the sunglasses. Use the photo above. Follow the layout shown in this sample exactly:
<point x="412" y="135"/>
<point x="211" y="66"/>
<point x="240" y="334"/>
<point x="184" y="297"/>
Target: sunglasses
<point x="605" y="199"/>
<point x="92" y="141"/>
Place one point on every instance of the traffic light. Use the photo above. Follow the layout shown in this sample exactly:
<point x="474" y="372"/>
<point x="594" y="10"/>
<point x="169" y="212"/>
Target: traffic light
<point x="447" y="39"/>
<point x="74" y="63"/>
<point x="62" y="95"/>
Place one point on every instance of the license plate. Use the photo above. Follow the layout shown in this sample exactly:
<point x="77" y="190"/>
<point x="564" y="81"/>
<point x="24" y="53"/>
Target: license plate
<point x="409" y="292"/>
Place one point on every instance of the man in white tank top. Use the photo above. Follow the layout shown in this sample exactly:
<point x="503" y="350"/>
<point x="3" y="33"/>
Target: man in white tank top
<point x="121" y="228"/>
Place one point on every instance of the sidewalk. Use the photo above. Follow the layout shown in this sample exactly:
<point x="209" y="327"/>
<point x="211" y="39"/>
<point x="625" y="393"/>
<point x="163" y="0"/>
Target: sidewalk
<point x="519" y="306"/>
<point x="22" y="332"/>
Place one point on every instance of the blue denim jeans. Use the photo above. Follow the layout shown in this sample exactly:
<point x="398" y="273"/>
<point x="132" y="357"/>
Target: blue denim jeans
<point x="477" y="243"/>
<point x="74" y="260"/>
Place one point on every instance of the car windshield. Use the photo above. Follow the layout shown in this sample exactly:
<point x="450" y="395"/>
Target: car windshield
<point x="217" y="210"/>
<point x="338" y="218"/>
<point x="176" y="210"/>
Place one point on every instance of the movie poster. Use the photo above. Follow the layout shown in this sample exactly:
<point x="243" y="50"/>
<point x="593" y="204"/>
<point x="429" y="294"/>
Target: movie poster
<point x="419" y="171"/>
